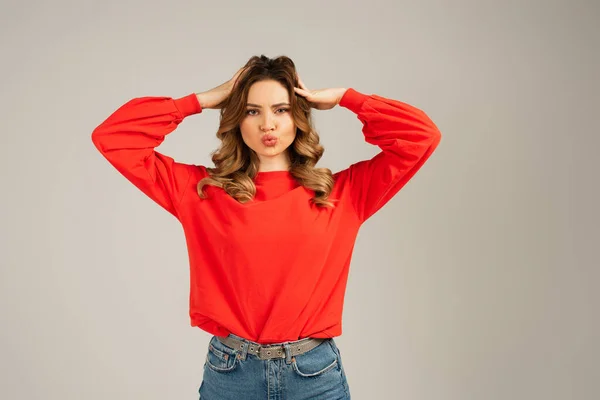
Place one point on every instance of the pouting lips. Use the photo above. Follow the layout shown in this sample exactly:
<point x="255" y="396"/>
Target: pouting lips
<point x="269" y="140"/>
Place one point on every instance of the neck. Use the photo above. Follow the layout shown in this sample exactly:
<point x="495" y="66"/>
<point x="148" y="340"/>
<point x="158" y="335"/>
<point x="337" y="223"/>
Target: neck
<point x="273" y="169"/>
<point x="281" y="163"/>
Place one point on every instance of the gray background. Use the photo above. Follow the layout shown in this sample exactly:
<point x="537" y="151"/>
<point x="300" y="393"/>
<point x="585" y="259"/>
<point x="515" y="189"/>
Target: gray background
<point x="478" y="280"/>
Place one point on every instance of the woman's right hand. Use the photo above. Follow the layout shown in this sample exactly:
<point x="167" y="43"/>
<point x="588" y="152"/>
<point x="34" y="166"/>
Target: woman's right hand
<point x="215" y="96"/>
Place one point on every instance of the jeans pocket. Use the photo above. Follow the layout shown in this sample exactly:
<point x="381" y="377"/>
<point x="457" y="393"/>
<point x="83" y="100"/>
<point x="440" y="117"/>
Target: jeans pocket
<point x="315" y="362"/>
<point x="337" y="353"/>
<point x="220" y="357"/>
<point x="341" y="365"/>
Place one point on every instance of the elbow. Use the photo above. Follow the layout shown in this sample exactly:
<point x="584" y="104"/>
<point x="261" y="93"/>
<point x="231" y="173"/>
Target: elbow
<point x="435" y="134"/>
<point x="98" y="136"/>
<point x="437" y="137"/>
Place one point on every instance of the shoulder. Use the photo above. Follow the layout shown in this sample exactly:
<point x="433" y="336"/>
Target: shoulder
<point x="198" y="172"/>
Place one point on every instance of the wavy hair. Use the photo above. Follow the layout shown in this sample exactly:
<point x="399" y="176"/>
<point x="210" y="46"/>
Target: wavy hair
<point x="236" y="164"/>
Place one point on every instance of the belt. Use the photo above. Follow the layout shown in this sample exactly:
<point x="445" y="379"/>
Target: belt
<point x="268" y="351"/>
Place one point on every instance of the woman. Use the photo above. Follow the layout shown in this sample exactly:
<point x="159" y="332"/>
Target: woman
<point x="269" y="235"/>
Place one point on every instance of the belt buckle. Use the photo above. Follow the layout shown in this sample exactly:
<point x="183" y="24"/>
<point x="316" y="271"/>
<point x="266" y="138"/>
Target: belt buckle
<point x="268" y="352"/>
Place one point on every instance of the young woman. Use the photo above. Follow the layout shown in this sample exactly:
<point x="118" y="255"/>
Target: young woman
<point x="269" y="235"/>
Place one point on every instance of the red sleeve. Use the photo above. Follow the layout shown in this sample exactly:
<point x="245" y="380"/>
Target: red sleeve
<point x="406" y="136"/>
<point x="128" y="137"/>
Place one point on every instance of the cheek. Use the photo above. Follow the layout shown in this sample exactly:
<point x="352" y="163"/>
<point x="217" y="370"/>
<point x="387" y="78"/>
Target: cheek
<point x="248" y="132"/>
<point x="289" y="130"/>
<point x="245" y="126"/>
<point x="288" y="127"/>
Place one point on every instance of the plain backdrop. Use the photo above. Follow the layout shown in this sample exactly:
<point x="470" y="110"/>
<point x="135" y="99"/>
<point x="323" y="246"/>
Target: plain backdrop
<point x="479" y="280"/>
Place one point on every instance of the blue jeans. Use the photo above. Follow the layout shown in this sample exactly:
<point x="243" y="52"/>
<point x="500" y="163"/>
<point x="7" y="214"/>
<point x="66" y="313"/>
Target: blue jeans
<point x="315" y="374"/>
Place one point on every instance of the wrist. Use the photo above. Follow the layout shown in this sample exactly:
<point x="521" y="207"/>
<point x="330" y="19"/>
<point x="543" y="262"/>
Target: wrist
<point x="202" y="99"/>
<point x="342" y="92"/>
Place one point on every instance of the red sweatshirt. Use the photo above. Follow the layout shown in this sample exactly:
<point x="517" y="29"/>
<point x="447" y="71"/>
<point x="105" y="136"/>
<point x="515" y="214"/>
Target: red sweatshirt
<point x="274" y="269"/>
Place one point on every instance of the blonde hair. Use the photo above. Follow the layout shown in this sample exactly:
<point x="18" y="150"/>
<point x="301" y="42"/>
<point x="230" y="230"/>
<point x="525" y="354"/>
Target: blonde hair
<point x="236" y="165"/>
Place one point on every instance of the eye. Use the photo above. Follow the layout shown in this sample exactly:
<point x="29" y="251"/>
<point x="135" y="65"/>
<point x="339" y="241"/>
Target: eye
<point x="283" y="110"/>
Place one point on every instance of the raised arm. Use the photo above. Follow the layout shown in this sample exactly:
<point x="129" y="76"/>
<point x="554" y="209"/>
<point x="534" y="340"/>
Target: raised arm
<point x="129" y="136"/>
<point x="407" y="138"/>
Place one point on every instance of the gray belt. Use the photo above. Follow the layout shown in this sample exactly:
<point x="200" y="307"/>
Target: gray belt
<point x="268" y="351"/>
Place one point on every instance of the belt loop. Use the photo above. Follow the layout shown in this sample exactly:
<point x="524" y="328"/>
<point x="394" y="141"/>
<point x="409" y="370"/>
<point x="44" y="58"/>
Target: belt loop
<point x="288" y="352"/>
<point x="244" y="350"/>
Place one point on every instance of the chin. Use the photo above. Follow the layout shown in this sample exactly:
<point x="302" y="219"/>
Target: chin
<point x="269" y="152"/>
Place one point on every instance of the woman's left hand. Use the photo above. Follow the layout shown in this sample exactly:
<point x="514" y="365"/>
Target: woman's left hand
<point x="321" y="99"/>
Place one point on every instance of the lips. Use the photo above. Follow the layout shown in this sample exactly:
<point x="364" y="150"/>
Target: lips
<point x="269" y="139"/>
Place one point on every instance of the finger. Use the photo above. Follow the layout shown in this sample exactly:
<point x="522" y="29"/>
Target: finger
<point x="301" y="92"/>
<point x="302" y="85"/>
<point x="234" y="77"/>
<point x="237" y="75"/>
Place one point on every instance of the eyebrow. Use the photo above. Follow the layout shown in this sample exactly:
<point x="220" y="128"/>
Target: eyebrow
<point x="274" y="105"/>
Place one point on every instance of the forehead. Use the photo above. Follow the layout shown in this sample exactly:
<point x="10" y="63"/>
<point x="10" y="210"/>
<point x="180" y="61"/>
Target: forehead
<point x="267" y="92"/>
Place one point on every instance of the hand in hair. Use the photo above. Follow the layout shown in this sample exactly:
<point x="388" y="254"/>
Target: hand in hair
<point x="321" y="99"/>
<point x="214" y="97"/>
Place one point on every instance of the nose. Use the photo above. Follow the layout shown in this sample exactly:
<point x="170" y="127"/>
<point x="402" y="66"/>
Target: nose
<point x="267" y="123"/>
